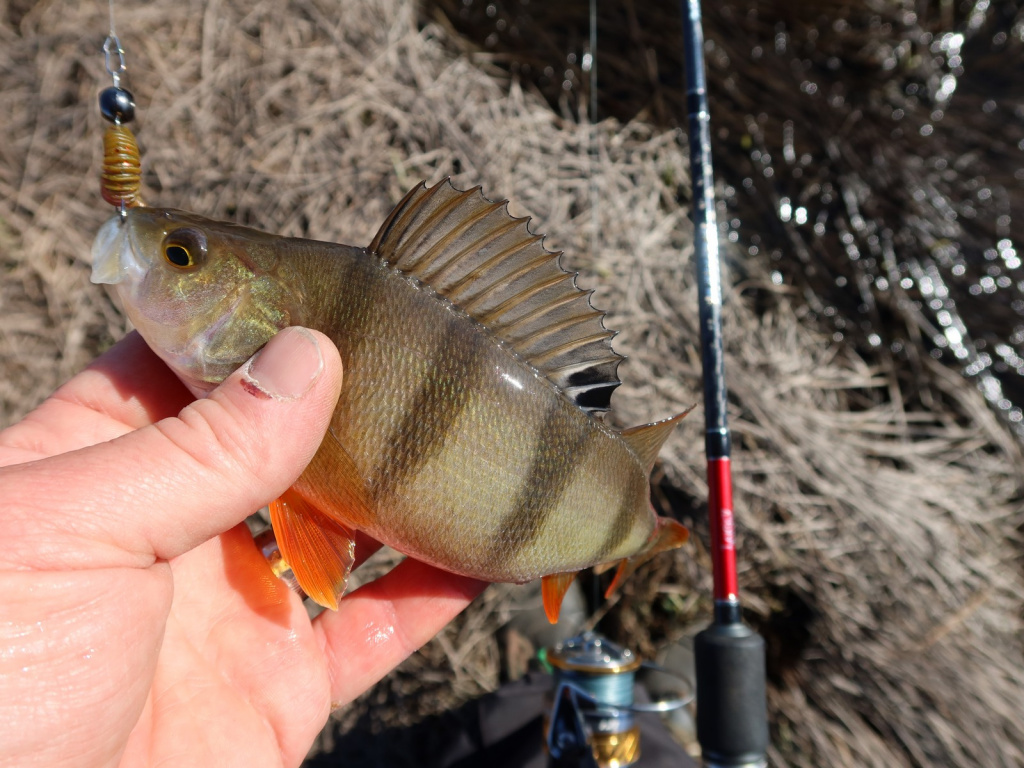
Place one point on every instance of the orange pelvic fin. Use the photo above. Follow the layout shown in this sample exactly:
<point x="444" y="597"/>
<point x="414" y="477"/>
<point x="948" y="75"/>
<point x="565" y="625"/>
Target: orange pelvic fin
<point x="668" y="534"/>
<point x="319" y="550"/>
<point x="553" y="588"/>
<point x="647" y="439"/>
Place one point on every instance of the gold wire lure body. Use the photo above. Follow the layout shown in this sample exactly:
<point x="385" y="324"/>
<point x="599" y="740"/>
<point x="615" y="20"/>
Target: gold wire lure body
<point x="121" y="174"/>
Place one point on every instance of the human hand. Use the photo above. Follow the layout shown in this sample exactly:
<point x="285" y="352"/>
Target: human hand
<point x="138" y="622"/>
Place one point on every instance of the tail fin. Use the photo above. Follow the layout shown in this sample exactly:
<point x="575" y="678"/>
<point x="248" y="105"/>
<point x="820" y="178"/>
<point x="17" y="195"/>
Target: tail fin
<point x="668" y="534"/>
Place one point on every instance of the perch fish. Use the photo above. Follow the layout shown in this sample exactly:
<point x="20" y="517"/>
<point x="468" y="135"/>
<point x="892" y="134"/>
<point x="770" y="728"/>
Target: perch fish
<point x="467" y="433"/>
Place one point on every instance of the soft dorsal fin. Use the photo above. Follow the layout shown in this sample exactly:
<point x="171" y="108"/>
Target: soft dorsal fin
<point x="489" y="264"/>
<point x="647" y="439"/>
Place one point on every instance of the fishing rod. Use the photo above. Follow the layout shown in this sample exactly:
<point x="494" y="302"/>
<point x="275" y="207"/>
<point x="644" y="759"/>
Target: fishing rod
<point x="732" y="721"/>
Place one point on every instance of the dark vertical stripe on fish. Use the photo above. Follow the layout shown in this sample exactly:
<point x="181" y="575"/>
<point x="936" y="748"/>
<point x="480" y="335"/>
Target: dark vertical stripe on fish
<point x="557" y="449"/>
<point x="622" y="524"/>
<point x="367" y="292"/>
<point x="444" y="392"/>
<point x="351" y="324"/>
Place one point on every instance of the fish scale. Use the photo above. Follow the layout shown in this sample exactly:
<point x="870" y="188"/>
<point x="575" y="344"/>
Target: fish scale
<point x="466" y="434"/>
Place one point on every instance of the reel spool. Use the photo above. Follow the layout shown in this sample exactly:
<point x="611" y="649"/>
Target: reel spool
<point x="592" y="720"/>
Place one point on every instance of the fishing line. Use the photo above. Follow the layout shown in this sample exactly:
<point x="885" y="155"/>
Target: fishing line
<point x="112" y="47"/>
<point x="611" y="690"/>
<point x="590" y="62"/>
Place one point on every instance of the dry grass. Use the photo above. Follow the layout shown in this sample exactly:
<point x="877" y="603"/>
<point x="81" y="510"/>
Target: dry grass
<point x="879" y="541"/>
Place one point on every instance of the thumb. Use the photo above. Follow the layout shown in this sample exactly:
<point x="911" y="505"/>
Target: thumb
<point x="159" y="491"/>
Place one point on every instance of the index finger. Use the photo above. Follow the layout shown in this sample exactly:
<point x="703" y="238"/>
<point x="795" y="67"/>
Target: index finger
<point x="161" y="490"/>
<point x="126" y="388"/>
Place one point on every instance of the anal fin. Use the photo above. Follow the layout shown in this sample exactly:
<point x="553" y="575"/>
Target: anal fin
<point x="553" y="588"/>
<point x="668" y="534"/>
<point x="620" y="576"/>
<point x="319" y="550"/>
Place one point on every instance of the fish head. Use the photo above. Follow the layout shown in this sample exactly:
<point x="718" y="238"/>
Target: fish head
<point x="205" y="295"/>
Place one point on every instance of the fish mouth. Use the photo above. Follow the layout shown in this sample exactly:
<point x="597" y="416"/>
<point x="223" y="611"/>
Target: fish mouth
<point x="113" y="256"/>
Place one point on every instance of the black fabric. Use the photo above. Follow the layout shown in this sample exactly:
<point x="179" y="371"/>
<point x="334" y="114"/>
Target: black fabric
<point x="500" y="730"/>
<point x="504" y="730"/>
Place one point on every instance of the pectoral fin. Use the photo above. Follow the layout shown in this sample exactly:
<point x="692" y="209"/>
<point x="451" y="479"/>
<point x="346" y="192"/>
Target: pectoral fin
<point x="319" y="550"/>
<point x="668" y="534"/>
<point x="553" y="588"/>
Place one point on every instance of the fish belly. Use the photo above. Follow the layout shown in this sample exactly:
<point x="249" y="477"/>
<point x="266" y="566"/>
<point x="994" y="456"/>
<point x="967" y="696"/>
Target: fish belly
<point x="463" y="456"/>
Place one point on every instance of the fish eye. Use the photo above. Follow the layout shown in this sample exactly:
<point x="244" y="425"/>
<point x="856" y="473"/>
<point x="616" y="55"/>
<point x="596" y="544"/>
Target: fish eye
<point x="185" y="248"/>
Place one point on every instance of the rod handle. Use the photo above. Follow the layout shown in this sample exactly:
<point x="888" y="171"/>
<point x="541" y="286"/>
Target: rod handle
<point x="732" y="716"/>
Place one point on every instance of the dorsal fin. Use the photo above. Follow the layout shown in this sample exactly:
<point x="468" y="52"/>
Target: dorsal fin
<point x="647" y="439"/>
<point x="487" y="263"/>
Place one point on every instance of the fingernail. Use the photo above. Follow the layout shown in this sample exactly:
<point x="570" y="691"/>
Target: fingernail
<point x="286" y="367"/>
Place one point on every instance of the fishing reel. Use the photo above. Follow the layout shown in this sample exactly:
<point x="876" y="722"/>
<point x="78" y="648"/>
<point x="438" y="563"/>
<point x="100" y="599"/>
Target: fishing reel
<point x="591" y="720"/>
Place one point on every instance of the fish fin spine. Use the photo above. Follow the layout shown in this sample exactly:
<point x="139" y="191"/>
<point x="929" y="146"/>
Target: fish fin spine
<point x="646" y="440"/>
<point x="319" y="550"/>
<point x="393" y="219"/>
<point x="553" y="588"/>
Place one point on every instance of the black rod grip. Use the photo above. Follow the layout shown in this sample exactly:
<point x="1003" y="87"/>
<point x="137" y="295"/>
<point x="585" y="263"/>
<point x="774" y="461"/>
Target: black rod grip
<point x="732" y="716"/>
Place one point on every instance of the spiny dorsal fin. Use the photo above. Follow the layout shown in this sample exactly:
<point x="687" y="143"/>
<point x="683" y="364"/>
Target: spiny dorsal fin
<point x="647" y="439"/>
<point x="489" y="264"/>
